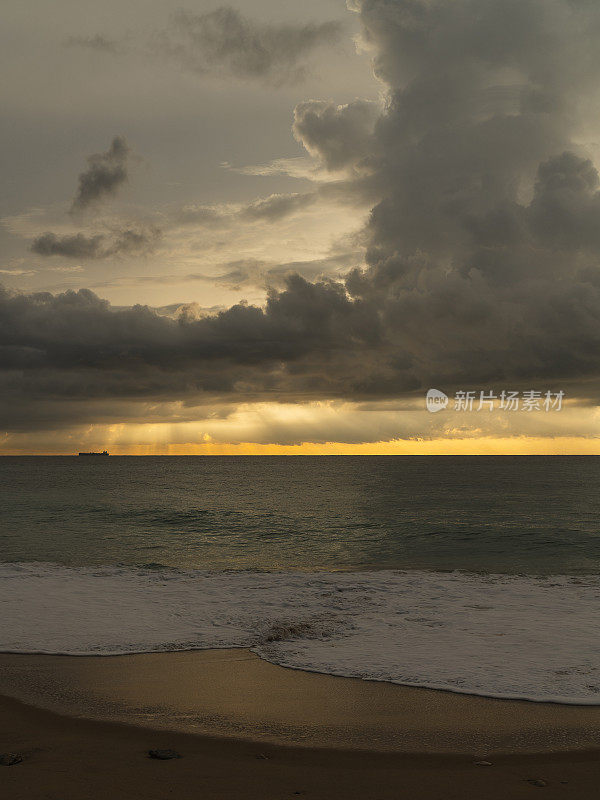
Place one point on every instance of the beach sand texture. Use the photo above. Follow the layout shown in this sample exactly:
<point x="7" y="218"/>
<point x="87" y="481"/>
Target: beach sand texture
<point x="246" y="728"/>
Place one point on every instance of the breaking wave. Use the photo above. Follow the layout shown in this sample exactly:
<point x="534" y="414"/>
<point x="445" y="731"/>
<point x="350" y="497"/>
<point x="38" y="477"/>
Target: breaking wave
<point x="496" y="635"/>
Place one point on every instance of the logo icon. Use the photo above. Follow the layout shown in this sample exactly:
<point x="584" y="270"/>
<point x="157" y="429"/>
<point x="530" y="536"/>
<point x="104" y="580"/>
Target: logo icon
<point x="436" y="400"/>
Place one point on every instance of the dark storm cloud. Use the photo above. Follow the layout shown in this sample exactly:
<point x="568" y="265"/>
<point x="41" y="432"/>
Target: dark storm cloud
<point x="106" y="172"/>
<point x="75" y="346"/>
<point x="226" y="41"/>
<point x="127" y="241"/>
<point x="483" y="249"/>
<point x="475" y="282"/>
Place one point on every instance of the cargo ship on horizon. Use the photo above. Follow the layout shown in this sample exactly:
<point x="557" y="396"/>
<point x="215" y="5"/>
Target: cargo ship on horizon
<point x="103" y="453"/>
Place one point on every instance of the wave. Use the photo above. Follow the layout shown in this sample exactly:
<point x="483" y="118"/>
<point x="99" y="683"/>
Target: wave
<point x="495" y="635"/>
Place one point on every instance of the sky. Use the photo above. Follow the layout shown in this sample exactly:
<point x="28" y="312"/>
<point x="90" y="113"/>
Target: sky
<point x="270" y="228"/>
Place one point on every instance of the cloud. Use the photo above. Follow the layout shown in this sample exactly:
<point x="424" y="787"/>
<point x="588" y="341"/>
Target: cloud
<point x="134" y="241"/>
<point x="277" y="206"/>
<point x="482" y="247"/>
<point x="75" y="345"/>
<point x="126" y="241"/>
<point x="203" y="215"/>
<point x="106" y="172"/>
<point x="76" y="246"/>
<point x="266" y="275"/>
<point x="311" y="340"/>
<point x="226" y="41"/>
<point x="246" y="273"/>
<point x="97" y="42"/>
<point x="269" y="209"/>
<point x="340" y="136"/>
<point x="188" y="310"/>
<point x="296" y="167"/>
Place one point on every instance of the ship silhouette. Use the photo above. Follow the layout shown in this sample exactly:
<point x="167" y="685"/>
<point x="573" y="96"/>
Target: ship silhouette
<point x="103" y="453"/>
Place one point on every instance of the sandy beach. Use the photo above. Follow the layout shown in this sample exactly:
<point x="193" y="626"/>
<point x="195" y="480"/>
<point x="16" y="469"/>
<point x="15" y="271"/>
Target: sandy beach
<point x="246" y="728"/>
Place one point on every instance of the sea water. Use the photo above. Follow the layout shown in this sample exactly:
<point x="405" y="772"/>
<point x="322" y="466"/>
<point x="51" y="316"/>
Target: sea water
<point x="474" y="574"/>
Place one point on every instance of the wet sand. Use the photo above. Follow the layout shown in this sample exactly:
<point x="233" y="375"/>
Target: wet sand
<point x="235" y="694"/>
<point x="249" y="729"/>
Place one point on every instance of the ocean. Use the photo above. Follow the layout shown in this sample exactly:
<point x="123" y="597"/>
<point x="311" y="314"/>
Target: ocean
<point x="472" y="574"/>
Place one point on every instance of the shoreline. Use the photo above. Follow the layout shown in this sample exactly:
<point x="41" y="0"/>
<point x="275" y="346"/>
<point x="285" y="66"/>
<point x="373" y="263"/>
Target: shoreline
<point x="489" y="636"/>
<point x="562" y="702"/>
<point x="69" y="756"/>
<point x="233" y="694"/>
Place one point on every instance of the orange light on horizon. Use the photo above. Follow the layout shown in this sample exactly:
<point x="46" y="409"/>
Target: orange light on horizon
<point x="520" y="445"/>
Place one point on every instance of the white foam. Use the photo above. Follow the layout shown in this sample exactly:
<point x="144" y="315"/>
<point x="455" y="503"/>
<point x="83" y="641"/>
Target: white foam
<point x="502" y="636"/>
